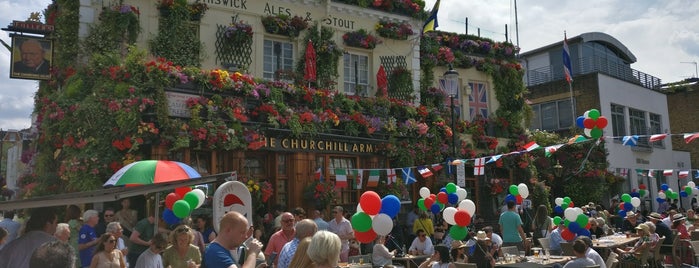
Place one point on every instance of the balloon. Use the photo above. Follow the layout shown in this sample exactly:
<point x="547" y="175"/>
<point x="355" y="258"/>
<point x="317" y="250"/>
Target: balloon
<point x="390" y="205"/>
<point x="557" y="220"/>
<point x="566" y="199"/>
<point x="461" y="192"/>
<point x="457" y="232"/>
<point x="182" y="190"/>
<point x="448" y="215"/>
<point x="565" y="205"/>
<point x="622" y="213"/>
<point x="468" y="205"/>
<point x="442" y="197"/>
<point x="181" y="209"/>
<point x="514" y="190"/>
<point x="421" y="204"/>
<point x="588" y="132"/>
<point x="435" y="208"/>
<point x="582" y="220"/>
<point x="192" y="199"/>
<point x="382" y="224"/>
<point x="660" y="200"/>
<point x="451" y="188"/>
<point x="170" y="200"/>
<point x="584" y="232"/>
<point x="573" y="227"/>
<point x="589" y="123"/>
<point x="433" y="197"/>
<point x="594" y="114"/>
<point x="510" y="197"/>
<point x="365" y="237"/>
<point x="462" y="218"/>
<point x="664" y="187"/>
<point x="428" y="203"/>
<point x="424" y="192"/>
<point x="662" y="195"/>
<point x="571" y="204"/>
<point x="691" y="184"/>
<point x="443" y="189"/>
<point x="523" y="190"/>
<point x="626" y="198"/>
<point x="559" y="201"/>
<point x="201" y="195"/>
<point x="601" y="122"/>
<point x="567" y="235"/>
<point x="642" y="187"/>
<point x="634" y="194"/>
<point x="628" y="206"/>
<point x="642" y="193"/>
<point x="570" y="214"/>
<point x="688" y="189"/>
<point x="361" y="222"/>
<point x="557" y="210"/>
<point x="359" y="208"/>
<point x="636" y="202"/>
<point x="579" y="121"/>
<point x="169" y="217"/>
<point x="371" y="203"/>
<point x="453" y="198"/>
<point x="518" y="199"/>
<point x="596" y="133"/>
<point x="683" y="194"/>
<point x="586" y="114"/>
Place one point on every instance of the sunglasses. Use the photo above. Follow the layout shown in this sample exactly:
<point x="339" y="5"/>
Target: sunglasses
<point x="108" y="215"/>
<point x="288" y="220"/>
<point x="183" y="230"/>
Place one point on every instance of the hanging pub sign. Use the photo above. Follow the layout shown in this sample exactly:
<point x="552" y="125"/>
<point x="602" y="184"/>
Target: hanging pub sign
<point x="31" y="58"/>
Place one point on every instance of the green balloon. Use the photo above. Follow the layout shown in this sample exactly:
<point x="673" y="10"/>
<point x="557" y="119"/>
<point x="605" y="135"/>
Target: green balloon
<point x="566" y="199"/>
<point x="181" y="209"/>
<point x="596" y="133"/>
<point x="565" y="205"/>
<point x="441" y="206"/>
<point x="557" y="220"/>
<point x="451" y="188"/>
<point x="642" y="192"/>
<point x="566" y="222"/>
<point x="626" y="198"/>
<point x="361" y="222"/>
<point x="688" y="190"/>
<point x="582" y="220"/>
<point x="421" y="204"/>
<point x="514" y="190"/>
<point x="457" y="232"/>
<point x="192" y="199"/>
<point x="593" y="113"/>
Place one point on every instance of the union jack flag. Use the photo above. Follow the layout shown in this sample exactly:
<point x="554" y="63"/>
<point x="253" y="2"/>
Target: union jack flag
<point x="478" y="100"/>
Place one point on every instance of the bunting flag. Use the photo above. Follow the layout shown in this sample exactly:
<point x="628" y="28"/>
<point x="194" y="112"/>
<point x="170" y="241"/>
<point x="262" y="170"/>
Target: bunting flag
<point x="697" y="175"/>
<point x="373" y="178"/>
<point x="567" y="66"/>
<point x="630" y="140"/>
<point x="493" y="159"/>
<point x="650" y="173"/>
<point x="358" y="175"/>
<point x="690" y="137"/>
<point x="532" y="145"/>
<point x="340" y="178"/>
<point x="623" y="172"/>
<point x="319" y="174"/>
<point x="431" y="24"/>
<point x="640" y="172"/>
<point x="683" y="174"/>
<point x="408" y="175"/>
<point x="657" y="137"/>
<point x="549" y="150"/>
<point x="424" y="172"/>
<point x="390" y="176"/>
<point x="450" y="167"/>
<point x="479" y="166"/>
<point x="437" y="167"/>
<point x="667" y="172"/>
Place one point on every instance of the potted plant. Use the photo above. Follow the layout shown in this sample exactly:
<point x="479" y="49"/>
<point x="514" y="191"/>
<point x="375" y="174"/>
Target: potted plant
<point x="197" y="10"/>
<point x="238" y="32"/>
<point x="319" y="193"/>
<point x="361" y="38"/>
<point x="284" y="25"/>
<point x="394" y="30"/>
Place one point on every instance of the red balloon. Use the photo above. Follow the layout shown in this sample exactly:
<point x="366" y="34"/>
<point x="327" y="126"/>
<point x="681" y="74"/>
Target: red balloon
<point x="587" y="226"/>
<point x="642" y="187"/>
<point x="182" y="190"/>
<point x="170" y="200"/>
<point x="370" y="202"/>
<point x="567" y="235"/>
<point x="433" y="197"/>
<point x="442" y="197"/>
<point x="601" y="122"/>
<point x="428" y="203"/>
<point x="462" y="218"/>
<point x="589" y="123"/>
<point x="519" y="199"/>
<point x="365" y="237"/>
<point x="571" y="205"/>
<point x="621" y="205"/>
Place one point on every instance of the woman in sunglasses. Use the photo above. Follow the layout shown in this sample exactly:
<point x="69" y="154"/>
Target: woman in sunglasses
<point x="106" y="253"/>
<point x="181" y="253"/>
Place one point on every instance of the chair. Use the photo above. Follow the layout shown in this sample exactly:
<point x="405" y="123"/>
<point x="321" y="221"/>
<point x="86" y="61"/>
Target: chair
<point x="510" y="250"/>
<point x="611" y="259"/>
<point x="567" y="249"/>
<point x="655" y="259"/>
<point x="465" y="265"/>
<point x="695" y="249"/>
<point x="675" y="244"/>
<point x="695" y="235"/>
<point x="545" y="243"/>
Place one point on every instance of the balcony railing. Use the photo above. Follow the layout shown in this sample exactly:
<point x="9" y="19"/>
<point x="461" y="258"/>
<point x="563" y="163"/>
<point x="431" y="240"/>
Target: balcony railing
<point x="592" y="65"/>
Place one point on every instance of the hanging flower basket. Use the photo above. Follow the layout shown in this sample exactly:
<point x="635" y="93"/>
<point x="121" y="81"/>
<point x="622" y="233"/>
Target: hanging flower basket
<point x="394" y="30"/>
<point x="197" y="10"/>
<point x="361" y="39"/>
<point x="284" y="25"/>
<point x="238" y="32"/>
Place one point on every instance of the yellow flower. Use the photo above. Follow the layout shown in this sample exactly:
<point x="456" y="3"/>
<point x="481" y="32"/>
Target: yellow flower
<point x="257" y="187"/>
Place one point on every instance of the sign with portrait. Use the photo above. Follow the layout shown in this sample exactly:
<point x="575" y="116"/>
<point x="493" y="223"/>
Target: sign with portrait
<point x="31" y="58"/>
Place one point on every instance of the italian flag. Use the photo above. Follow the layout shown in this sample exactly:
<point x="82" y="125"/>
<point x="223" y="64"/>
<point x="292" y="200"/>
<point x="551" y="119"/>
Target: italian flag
<point x="531" y="146"/>
<point x="340" y="178"/>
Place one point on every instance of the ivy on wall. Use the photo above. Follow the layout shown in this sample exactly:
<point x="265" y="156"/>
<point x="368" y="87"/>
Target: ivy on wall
<point x="177" y="39"/>
<point x="327" y="57"/>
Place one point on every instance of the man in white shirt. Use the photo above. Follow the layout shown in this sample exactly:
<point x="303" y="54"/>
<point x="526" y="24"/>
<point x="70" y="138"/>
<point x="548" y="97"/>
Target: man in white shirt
<point x="422" y="245"/>
<point x="591" y="253"/>
<point x="581" y="260"/>
<point x="342" y="228"/>
<point x="494" y="238"/>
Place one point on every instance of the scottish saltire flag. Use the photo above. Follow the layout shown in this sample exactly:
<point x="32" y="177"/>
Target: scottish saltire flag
<point x="340" y="178"/>
<point x="567" y="66"/>
<point x="373" y="178"/>
<point x="689" y="137"/>
<point x="390" y="176"/>
<point x="683" y="174"/>
<point x="478" y="100"/>
<point x="657" y="137"/>
<point x="494" y="158"/>
<point x="630" y="140"/>
<point x="424" y="171"/>
<point x="431" y="23"/>
<point x="408" y="175"/>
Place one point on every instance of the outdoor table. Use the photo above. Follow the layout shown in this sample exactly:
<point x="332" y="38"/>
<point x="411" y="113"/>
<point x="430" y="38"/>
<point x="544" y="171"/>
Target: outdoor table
<point x="411" y="260"/>
<point x="605" y="245"/>
<point x="354" y="265"/>
<point x="537" y="262"/>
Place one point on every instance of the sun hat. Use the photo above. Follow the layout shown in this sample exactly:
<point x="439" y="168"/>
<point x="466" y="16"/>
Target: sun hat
<point x="655" y="216"/>
<point x="630" y="214"/>
<point x="678" y="217"/>
<point x="481" y="236"/>
<point x="456" y="244"/>
<point x="643" y="227"/>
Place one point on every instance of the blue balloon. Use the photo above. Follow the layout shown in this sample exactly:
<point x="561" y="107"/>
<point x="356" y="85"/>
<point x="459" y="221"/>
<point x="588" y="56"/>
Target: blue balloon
<point x="635" y="194"/>
<point x="584" y="232"/>
<point x="660" y="200"/>
<point x="574" y="227"/>
<point x="664" y="187"/>
<point x="558" y="210"/>
<point x="579" y="121"/>
<point x="628" y="206"/>
<point x="444" y="189"/>
<point x="169" y="217"/>
<point x="510" y="197"/>
<point x="622" y="213"/>
<point x="390" y="205"/>
<point x="683" y="194"/>
<point x="453" y="198"/>
<point x="435" y="208"/>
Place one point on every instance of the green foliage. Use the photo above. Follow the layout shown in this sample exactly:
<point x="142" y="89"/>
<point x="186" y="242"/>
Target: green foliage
<point x="66" y="33"/>
<point x="177" y="38"/>
<point x="118" y="28"/>
<point x="327" y="57"/>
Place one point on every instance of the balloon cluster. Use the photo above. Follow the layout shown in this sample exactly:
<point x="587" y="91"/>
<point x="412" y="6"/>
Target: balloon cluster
<point x="642" y="191"/>
<point x="459" y="217"/>
<point x="576" y="222"/>
<point x="562" y="204"/>
<point x="180" y="204"/>
<point x="687" y="191"/>
<point x="592" y="122"/>
<point x="374" y="216"/>
<point x="628" y="203"/>
<point x="666" y="192"/>
<point x="517" y="193"/>
<point x="449" y="194"/>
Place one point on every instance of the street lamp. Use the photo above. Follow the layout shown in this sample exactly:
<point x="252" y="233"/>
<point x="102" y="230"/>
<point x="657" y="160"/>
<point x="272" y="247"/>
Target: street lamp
<point x="451" y="86"/>
<point x="558" y="169"/>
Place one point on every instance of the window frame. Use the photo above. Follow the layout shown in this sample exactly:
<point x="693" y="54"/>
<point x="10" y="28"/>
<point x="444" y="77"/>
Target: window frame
<point x="276" y="66"/>
<point x="349" y="77"/>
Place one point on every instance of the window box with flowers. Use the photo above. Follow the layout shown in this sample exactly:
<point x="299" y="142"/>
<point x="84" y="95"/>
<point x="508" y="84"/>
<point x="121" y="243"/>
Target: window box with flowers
<point x="394" y="30"/>
<point x="260" y="191"/>
<point x="361" y="39"/>
<point x="320" y="193"/>
<point x="284" y="25"/>
<point x="238" y="32"/>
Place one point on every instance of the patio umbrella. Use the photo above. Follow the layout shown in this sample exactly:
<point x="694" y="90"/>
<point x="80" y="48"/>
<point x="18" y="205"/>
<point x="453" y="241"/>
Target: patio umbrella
<point x="310" y="72"/>
<point x="382" y="82"/>
<point x="151" y="172"/>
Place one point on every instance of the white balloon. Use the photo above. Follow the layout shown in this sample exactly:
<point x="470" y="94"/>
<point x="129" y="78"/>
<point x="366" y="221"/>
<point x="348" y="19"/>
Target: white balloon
<point x="578" y="211"/>
<point x="200" y="195"/>
<point x="635" y="201"/>
<point x="570" y="214"/>
<point x="523" y="190"/>
<point x="662" y="195"/>
<point x="691" y="184"/>
<point x="559" y="201"/>
<point x="469" y="206"/>
<point x="448" y="215"/>
<point x="588" y="132"/>
<point x="461" y="192"/>
<point x="424" y="192"/>
<point x="359" y="208"/>
<point x="586" y="114"/>
<point x="382" y="224"/>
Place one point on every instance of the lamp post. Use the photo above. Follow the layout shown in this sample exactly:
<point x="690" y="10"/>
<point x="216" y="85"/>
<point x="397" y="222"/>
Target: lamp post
<point x="558" y="169"/>
<point x="451" y="86"/>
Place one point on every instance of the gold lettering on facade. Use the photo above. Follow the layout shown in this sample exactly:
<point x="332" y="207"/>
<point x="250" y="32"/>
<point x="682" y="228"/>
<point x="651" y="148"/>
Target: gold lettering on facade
<point x="355" y="148"/>
<point x="312" y="145"/>
<point x="285" y="143"/>
<point x="294" y="144"/>
<point x="304" y="144"/>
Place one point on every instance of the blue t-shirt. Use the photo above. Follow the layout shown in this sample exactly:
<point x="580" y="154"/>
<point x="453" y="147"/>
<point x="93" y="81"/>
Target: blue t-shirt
<point x="510" y="222"/>
<point x="86" y="235"/>
<point x="217" y="256"/>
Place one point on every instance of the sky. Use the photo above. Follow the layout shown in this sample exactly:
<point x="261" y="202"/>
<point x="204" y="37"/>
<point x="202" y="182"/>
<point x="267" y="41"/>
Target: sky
<point x="661" y="34"/>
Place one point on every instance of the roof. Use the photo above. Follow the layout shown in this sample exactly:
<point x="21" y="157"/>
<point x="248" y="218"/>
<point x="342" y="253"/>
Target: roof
<point x="599" y="37"/>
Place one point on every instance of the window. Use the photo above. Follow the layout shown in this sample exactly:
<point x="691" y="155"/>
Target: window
<point x="638" y="126"/>
<point x="348" y="195"/>
<point x="536" y="122"/>
<point x="278" y="60"/>
<point x="656" y="127"/>
<point x="356" y="73"/>
<point x="552" y="115"/>
<point x="565" y="114"/>
<point x="618" y="121"/>
<point x="254" y="167"/>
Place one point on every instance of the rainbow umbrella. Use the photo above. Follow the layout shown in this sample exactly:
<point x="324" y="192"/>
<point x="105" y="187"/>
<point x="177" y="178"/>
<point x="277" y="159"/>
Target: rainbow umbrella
<point x="150" y="172"/>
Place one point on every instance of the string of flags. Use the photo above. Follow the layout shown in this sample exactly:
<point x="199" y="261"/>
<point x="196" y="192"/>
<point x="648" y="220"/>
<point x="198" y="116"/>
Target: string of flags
<point x="653" y="173"/>
<point x="632" y="140"/>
